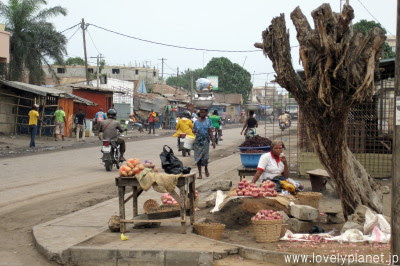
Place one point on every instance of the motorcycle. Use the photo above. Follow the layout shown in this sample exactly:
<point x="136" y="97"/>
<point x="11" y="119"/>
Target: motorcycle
<point x="284" y="125"/>
<point x="135" y="126"/>
<point x="181" y="148"/>
<point x="111" y="154"/>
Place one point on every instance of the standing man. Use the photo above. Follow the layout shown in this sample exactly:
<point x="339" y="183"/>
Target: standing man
<point x="33" y="120"/>
<point x="59" y="121"/>
<point x="152" y="121"/>
<point x="80" y="124"/>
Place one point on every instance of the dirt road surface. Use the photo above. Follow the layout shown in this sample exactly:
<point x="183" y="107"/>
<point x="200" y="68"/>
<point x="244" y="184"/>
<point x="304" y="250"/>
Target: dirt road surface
<point x="37" y="188"/>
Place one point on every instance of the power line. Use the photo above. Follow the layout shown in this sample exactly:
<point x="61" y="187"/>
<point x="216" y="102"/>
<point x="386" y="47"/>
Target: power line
<point x="77" y="29"/>
<point x="373" y="15"/>
<point x="70" y="28"/>
<point x="90" y="36"/>
<point x="177" y="46"/>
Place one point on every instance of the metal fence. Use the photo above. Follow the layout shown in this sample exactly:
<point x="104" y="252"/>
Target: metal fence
<point x="369" y="134"/>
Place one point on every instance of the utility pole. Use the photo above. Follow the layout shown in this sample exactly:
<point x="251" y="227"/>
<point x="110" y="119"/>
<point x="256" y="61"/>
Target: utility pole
<point x="162" y="68"/>
<point x="177" y="77"/>
<point x="98" y="58"/>
<point x="83" y="26"/>
<point x="191" y="88"/>
<point x="395" y="237"/>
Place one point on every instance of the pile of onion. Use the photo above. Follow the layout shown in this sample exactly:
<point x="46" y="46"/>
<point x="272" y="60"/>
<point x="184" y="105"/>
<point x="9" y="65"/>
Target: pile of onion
<point x="133" y="166"/>
<point x="267" y="215"/>
<point x="167" y="199"/>
<point x="266" y="189"/>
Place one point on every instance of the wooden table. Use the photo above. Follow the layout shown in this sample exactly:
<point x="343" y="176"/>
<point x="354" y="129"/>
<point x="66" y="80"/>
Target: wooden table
<point x="187" y="188"/>
<point x="243" y="172"/>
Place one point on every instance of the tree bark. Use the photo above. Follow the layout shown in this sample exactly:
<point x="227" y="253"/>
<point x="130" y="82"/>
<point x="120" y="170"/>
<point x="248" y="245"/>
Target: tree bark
<point x="339" y="70"/>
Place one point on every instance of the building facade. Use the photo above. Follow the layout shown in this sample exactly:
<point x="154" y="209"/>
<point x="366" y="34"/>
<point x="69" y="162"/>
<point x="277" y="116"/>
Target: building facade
<point x="71" y="74"/>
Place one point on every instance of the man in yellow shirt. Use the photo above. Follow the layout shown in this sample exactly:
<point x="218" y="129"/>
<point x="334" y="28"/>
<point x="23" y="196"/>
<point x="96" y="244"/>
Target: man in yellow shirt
<point x="33" y="120"/>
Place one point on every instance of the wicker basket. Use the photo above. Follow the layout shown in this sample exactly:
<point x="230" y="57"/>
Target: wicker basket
<point x="284" y="228"/>
<point x="211" y="230"/>
<point x="310" y="198"/>
<point x="150" y="205"/>
<point x="267" y="230"/>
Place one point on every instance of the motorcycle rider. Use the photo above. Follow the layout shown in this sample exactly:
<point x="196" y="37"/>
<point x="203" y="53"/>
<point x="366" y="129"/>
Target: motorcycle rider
<point x="216" y="123"/>
<point x="284" y="118"/>
<point x="184" y="125"/>
<point x="109" y="129"/>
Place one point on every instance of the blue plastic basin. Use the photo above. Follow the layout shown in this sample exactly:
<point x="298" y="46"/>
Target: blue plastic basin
<point x="250" y="160"/>
<point x="264" y="148"/>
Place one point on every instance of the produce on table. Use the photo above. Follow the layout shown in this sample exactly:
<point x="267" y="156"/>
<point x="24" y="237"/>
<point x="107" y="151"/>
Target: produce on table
<point x="256" y="141"/>
<point x="267" y="215"/>
<point x="167" y="199"/>
<point x="133" y="166"/>
<point x="254" y="151"/>
<point x="266" y="189"/>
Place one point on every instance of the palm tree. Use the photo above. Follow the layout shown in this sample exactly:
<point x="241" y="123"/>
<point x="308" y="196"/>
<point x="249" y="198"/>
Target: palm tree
<point x="33" y="39"/>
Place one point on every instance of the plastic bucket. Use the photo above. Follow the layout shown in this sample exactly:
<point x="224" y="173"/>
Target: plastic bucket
<point x="188" y="142"/>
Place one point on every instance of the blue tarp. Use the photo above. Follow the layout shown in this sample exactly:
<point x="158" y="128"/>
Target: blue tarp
<point x="142" y="87"/>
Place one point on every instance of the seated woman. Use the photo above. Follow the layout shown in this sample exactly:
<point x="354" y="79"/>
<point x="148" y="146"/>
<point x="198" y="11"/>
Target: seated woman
<point x="272" y="164"/>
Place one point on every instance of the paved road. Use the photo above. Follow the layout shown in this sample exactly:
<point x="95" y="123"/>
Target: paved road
<point x="43" y="176"/>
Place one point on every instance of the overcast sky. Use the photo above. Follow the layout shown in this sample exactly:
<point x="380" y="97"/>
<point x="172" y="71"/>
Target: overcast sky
<point x="217" y="24"/>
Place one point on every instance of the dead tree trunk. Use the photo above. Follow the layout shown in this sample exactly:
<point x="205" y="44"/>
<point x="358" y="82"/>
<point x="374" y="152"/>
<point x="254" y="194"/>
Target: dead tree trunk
<point x="339" y="69"/>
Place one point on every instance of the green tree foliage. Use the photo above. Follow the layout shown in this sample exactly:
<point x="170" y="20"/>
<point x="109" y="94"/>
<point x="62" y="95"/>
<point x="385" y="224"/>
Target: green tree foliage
<point x="365" y="26"/>
<point x="232" y="78"/>
<point x="75" y="61"/>
<point x="185" y="78"/>
<point x="34" y="40"/>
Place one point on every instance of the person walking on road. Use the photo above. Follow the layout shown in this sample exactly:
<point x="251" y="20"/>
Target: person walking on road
<point x="80" y="124"/>
<point x="249" y="126"/>
<point x="98" y="117"/>
<point x="152" y="121"/>
<point x="59" y="121"/>
<point x="33" y="120"/>
<point x="204" y="133"/>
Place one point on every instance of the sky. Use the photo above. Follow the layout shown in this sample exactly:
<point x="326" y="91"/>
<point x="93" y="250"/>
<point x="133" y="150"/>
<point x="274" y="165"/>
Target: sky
<point x="217" y="24"/>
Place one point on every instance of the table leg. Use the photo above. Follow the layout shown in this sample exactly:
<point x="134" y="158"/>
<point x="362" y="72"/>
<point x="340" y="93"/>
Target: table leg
<point x="183" y="197"/>
<point x="240" y="177"/>
<point x="121" y="196"/>
<point x="135" y="201"/>
<point x="192" y="193"/>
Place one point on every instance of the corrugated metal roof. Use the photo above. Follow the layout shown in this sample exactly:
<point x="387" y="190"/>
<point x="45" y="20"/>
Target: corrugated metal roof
<point x="32" y="88"/>
<point x="92" y="88"/>
<point x="44" y="91"/>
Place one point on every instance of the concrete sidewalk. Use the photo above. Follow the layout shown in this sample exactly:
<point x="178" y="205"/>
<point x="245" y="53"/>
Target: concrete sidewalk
<point x="82" y="237"/>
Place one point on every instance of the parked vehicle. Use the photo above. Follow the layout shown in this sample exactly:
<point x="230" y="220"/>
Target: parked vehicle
<point x="181" y="142"/>
<point x="111" y="154"/>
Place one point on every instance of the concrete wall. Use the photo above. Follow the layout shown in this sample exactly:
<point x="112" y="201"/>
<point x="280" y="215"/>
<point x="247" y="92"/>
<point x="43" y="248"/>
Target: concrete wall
<point x="4" y="46"/>
<point x="78" y="72"/>
<point x="7" y="114"/>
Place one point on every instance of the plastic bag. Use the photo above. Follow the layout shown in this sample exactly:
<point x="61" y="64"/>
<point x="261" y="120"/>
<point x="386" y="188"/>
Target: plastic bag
<point x="203" y="84"/>
<point x="170" y="163"/>
<point x="219" y="199"/>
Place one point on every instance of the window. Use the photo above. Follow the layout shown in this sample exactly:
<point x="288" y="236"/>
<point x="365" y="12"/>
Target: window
<point x="136" y="71"/>
<point x="90" y="70"/>
<point x="115" y="71"/>
<point x="154" y="73"/>
<point x="60" y="70"/>
<point x="103" y="79"/>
